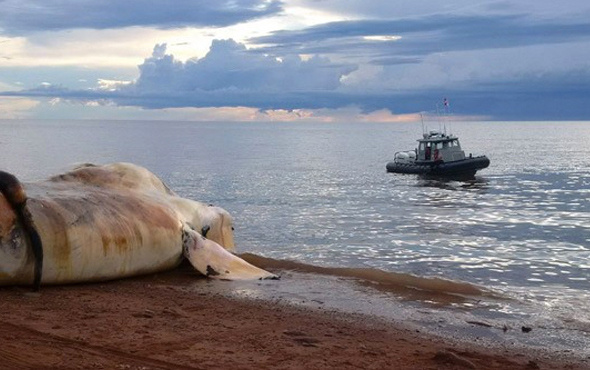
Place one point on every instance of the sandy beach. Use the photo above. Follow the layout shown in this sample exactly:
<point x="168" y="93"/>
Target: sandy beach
<point x="155" y="322"/>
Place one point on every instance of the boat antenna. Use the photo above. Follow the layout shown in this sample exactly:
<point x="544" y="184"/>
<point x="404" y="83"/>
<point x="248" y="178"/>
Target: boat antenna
<point x="447" y="113"/>
<point x="438" y="116"/>
<point x="422" y="119"/>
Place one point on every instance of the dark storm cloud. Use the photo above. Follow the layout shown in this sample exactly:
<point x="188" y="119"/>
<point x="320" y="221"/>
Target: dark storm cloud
<point x="21" y="17"/>
<point x="425" y="35"/>
<point x="395" y="60"/>
<point x="558" y="96"/>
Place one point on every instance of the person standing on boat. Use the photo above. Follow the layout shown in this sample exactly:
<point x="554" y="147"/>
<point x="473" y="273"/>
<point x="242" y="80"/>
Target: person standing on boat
<point x="437" y="156"/>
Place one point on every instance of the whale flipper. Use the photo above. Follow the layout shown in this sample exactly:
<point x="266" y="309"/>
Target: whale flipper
<point x="212" y="260"/>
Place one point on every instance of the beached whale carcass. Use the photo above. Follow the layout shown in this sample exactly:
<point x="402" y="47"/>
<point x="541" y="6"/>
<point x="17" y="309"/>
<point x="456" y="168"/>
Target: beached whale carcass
<point x="106" y="222"/>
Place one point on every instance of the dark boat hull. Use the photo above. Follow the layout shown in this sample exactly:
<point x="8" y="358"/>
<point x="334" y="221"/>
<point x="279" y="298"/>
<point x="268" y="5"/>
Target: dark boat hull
<point x="465" y="167"/>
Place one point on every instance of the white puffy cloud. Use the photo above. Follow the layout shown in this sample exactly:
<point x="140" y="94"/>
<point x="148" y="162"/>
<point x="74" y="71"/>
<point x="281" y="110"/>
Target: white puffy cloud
<point x="230" y="66"/>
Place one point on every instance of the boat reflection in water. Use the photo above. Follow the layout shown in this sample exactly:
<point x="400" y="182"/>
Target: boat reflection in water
<point x="456" y="183"/>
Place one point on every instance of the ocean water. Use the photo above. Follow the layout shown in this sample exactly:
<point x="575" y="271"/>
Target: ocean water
<point x="313" y="202"/>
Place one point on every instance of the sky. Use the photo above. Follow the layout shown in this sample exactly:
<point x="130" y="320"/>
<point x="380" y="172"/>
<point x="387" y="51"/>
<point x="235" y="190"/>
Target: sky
<point x="294" y="60"/>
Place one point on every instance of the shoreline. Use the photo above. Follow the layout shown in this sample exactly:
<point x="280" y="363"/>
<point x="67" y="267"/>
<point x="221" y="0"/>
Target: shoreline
<point x="160" y="322"/>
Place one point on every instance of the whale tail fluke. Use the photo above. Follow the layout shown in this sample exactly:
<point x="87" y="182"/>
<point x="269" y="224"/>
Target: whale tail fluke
<point x="15" y="194"/>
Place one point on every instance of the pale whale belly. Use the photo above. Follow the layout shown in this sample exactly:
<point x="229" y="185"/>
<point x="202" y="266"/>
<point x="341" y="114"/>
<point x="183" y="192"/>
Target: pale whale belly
<point x="94" y="234"/>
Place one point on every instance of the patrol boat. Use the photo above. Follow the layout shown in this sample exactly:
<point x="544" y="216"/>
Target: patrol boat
<point x="438" y="154"/>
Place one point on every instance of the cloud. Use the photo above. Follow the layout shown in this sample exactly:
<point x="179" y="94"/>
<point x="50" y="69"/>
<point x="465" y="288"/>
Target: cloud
<point x="231" y="75"/>
<point x="21" y="17"/>
<point x="391" y="9"/>
<point x="553" y="96"/>
<point x="421" y="36"/>
<point x="16" y="107"/>
<point x="230" y="67"/>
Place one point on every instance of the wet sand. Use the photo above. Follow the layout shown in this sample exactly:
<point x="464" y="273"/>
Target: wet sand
<point x="157" y="322"/>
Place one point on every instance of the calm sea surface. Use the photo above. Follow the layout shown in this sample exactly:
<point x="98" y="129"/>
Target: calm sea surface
<point x="318" y="194"/>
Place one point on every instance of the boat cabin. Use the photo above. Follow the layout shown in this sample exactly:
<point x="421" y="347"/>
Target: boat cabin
<point x="435" y="146"/>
